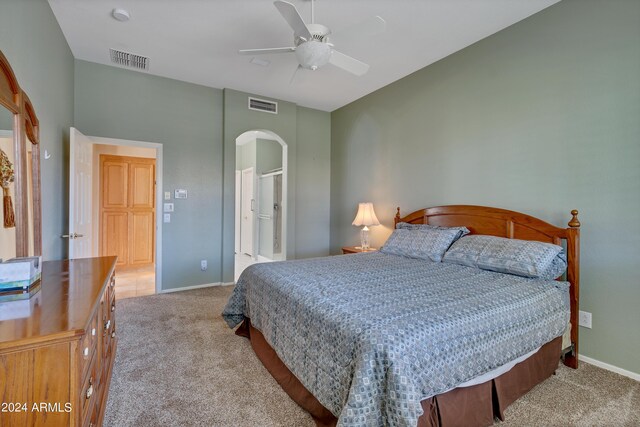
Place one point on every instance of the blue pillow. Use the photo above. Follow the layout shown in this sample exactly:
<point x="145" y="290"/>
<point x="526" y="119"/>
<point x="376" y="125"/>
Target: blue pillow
<point x="557" y="268"/>
<point x="428" y="244"/>
<point x="463" y="231"/>
<point x="512" y="256"/>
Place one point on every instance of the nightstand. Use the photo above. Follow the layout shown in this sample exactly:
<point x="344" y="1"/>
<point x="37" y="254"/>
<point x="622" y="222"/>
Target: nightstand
<point x="355" y="250"/>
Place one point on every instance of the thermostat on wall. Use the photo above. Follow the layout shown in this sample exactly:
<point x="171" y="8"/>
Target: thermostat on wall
<point x="181" y="194"/>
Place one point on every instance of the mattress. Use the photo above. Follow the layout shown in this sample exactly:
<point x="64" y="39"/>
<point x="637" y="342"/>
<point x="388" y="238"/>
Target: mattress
<point x="372" y="335"/>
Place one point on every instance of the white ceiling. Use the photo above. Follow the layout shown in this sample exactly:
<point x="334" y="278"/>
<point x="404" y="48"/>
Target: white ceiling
<point x="197" y="40"/>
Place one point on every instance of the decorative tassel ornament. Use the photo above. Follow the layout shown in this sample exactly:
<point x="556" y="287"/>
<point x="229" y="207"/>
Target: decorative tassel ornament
<point x="7" y="177"/>
<point x="9" y="218"/>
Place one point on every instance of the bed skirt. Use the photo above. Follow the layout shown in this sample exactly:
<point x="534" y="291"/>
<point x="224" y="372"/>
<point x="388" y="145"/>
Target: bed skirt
<point x="476" y="405"/>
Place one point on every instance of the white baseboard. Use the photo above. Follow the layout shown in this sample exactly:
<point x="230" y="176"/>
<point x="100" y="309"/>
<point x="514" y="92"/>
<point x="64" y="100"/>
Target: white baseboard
<point x="190" y="288"/>
<point x="609" y="367"/>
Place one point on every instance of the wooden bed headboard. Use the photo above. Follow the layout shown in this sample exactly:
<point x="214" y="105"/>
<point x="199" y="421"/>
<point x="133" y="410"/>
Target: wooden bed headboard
<point x="514" y="225"/>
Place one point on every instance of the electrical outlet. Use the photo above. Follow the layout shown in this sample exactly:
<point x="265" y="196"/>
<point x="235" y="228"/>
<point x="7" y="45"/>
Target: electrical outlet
<point x="167" y="195"/>
<point x="203" y="265"/>
<point x="584" y="319"/>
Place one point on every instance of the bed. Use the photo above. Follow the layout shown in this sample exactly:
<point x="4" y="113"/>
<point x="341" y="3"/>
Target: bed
<point x="380" y="339"/>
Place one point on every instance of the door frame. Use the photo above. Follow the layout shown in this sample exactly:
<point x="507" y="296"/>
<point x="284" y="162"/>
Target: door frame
<point x="159" y="194"/>
<point x="253" y="204"/>
<point x="237" y="241"/>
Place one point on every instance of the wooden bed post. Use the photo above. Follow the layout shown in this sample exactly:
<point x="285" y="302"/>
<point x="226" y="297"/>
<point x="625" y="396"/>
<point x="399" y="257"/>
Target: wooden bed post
<point x="396" y="220"/>
<point x="573" y="277"/>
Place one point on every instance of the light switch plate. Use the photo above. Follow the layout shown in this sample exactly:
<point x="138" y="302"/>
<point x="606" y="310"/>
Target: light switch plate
<point x="167" y="217"/>
<point x="168" y="207"/>
<point x="167" y="195"/>
<point x="181" y="194"/>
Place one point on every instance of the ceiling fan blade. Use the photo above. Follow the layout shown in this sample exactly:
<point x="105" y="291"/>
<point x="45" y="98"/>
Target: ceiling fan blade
<point x="267" y="50"/>
<point x="291" y="15"/>
<point x="366" y="28"/>
<point x="348" y="63"/>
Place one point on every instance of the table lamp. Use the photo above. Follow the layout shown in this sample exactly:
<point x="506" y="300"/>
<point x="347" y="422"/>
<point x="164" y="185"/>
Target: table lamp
<point x="365" y="217"/>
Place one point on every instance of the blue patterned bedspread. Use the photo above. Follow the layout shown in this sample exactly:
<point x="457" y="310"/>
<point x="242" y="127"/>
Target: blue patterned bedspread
<point x="371" y="335"/>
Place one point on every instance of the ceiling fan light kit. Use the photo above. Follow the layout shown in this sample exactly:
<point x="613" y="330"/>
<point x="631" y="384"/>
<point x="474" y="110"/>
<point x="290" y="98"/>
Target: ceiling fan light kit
<point x="312" y="47"/>
<point x="313" y="55"/>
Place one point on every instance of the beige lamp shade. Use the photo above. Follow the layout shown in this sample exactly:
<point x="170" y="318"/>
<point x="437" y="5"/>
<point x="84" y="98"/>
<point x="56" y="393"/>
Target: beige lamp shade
<point x="365" y="216"/>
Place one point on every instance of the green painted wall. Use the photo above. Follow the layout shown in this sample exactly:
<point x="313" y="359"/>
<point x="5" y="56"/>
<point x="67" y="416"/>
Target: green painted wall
<point x="246" y="155"/>
<point x="33" y="43"/>
<point x="185" y="118"/>
<point x="263" y="154"/>
<point x="314" y="176"/>
<point x="6" y="120"/>
<point x="541" y="118"/>
<point x="268" y="155"/>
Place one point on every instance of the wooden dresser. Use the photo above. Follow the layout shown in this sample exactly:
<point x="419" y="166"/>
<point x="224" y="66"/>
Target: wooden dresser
<point x="57" y="351"/>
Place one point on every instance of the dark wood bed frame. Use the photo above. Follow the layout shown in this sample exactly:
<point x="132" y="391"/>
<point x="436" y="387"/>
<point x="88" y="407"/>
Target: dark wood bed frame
<point x="514" y="225"/>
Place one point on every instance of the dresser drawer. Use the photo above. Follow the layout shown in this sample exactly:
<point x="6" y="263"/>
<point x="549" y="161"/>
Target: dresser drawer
<point x="91" y="419"/>
<point x="89" y="393"/>
<point x="108" y="325"/>
<point x="111" y="287"/>
<point x="89" y="342"/>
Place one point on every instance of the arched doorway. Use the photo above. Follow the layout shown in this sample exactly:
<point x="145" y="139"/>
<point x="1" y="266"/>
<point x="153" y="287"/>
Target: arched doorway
<point x="260" y="199"/>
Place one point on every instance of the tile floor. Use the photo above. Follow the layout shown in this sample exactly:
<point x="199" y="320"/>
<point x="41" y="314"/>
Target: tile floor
<point x="135" y="282"/>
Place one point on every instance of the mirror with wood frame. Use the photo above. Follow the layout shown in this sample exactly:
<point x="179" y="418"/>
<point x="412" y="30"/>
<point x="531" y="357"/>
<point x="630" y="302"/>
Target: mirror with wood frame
<point x="21" y="225"/>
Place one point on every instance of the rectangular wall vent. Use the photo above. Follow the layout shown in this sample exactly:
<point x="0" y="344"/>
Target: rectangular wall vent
<point x="263" y="105"/>
<point x="127" y="59"/>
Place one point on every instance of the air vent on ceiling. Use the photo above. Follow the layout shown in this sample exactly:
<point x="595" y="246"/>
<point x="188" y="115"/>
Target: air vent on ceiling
<point x="130" y="60"/>
<point x="263" y="105"/>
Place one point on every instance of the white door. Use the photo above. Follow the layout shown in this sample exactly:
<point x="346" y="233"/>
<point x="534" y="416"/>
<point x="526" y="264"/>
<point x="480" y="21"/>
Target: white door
<point x="80" y="202"/>
<point x="247" y="209"/>
<point x="238" y="209"/>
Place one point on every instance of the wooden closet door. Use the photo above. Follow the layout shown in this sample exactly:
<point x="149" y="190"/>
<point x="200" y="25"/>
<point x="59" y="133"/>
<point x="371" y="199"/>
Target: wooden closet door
<point x="115" y="183"/>
<point x="142" y="178"/>
<point x="115" y="235"/>
<point x="142" y="243"/>
<point x="141" y="216"/>
<point x="128" y="209"/>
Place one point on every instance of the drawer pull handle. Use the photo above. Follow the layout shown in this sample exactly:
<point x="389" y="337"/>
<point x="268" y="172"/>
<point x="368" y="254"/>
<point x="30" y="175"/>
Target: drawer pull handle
<point x="107" y="325"/>
<point x="113" y="307"/>
<point x="90" y="389"/>
<point x="113" y="334"/>
<point x="93" y="332"/>
<point x="86" y="351"/>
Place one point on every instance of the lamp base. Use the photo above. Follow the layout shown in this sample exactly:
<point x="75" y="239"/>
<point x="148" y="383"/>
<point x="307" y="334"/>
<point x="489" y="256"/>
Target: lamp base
<point x="364" y="238"/>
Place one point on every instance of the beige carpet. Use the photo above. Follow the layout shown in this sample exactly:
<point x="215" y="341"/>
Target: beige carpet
<point x="179" y="365"/>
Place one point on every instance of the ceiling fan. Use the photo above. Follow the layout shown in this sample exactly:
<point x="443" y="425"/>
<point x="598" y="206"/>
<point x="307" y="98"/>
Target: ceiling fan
<point x="311" y="41"/>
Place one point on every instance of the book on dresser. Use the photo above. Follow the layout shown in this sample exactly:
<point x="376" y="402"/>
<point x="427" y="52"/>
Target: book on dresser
<point x="57" y="350"/>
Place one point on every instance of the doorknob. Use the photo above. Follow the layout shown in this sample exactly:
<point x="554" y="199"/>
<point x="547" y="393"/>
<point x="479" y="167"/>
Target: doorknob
<point x="72" y="236"/>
